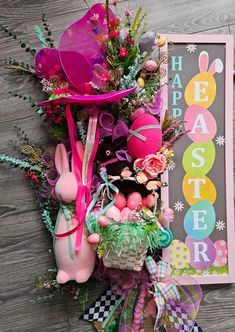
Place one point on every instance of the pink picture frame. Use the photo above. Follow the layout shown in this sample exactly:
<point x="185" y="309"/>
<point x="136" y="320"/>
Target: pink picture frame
<point x="227" y="41"/>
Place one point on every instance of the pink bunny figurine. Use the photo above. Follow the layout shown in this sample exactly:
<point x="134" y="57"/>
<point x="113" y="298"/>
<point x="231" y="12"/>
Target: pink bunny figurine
<point x="72" y="265"/>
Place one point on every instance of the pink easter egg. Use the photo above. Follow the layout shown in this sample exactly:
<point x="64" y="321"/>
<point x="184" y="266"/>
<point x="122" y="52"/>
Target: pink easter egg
<point x="134" y="200"/>
<point x="136" y="113"/>
<point x="144" y="201"/>
<point x="142" y="138"/>
<point x="125" y="214"/>
<point x="120" y="202"/>
<point x="221" y="258"/>
<point x="93" y="238"/>
<point x="103" y="221"/>
<point x="150" y="65"/>
<point x="150" y="201"/>
<point x="168" y="214"/>
<point x="113" y="213"/>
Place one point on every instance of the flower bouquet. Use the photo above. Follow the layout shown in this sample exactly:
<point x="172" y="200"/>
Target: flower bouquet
<point x="99" y="185"/>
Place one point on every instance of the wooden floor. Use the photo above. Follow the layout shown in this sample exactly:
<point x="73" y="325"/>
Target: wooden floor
<point x="24" y="244"/>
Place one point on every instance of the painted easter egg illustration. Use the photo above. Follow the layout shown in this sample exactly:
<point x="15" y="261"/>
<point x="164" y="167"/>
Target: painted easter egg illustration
<point x="199" y="221"/>
<point x="221" y="258"/>
<point x="145" y="136"/>
<point x="197" y="188"/>
<point x="201" y="89"/>
<point x="200" y="124"/>
<point x="202" y="252"/>
<point x="180" y="254"/>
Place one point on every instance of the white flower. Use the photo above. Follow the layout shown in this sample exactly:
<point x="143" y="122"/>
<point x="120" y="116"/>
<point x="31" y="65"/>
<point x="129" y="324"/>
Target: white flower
<point x="171" y="166"/>
<point x="219" y="252"/>
<point x="220" y="225"/>
<point x="220" y="140"/>
<point x="178" y="206"/>
<point x="191" y="48"/>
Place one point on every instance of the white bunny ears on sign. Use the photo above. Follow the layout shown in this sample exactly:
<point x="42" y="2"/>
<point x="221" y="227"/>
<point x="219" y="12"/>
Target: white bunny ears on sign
<point x="216" y="66"/>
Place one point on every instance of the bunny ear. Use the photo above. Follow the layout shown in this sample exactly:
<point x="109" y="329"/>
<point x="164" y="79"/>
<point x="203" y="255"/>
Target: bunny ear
<point x="80" y="150"/>
<point x="61" y="159"/>
<point x="216" y="67"/>
<point x="203" y="61"/>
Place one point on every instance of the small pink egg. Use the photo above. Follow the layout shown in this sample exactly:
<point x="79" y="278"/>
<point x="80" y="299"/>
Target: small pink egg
<point x="150" y="201"/>
<point x="93" y="238"/>
<point x="120" y="202"/>
<point x="168" y="214"/>
<point x="103" y="221"/>
<point x="113" y="213"/>
<point x="139" y="111"/>
<point x="150" y="65"/>
<point x="125" y="213"/>
<point x="144" y="201"/>
<point x="134" y="200"/>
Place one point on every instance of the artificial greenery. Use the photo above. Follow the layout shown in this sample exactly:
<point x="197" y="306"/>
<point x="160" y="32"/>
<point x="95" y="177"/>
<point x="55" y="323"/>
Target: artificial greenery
<point x="20" y="65"/>
<point x="131" y="235"/>
<point x="46" y="218"/>
<point x="26" y="98"/>
<point x="49" y="42"/>
<point x="47" y="288"/>
<point x="23" y="45"/>
<point x="19" y="163"/>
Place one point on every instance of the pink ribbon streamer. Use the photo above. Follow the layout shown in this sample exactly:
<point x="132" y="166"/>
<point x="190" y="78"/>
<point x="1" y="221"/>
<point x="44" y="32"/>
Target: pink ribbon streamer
<point x="83" y="193"/>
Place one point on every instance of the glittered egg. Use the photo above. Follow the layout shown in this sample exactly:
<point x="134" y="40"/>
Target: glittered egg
<point x="103" y="221"/>
<point x="125" y="214"/>
<point x="221" y="257"/>
<point x="93" y="238"/>
<point x="180" y="254"/>
<point x="113" y="213"/>
<point x="145" y="136"/>
<point x="134" y="200"/>
<point x="166" y="238"/>
<point x="120" y="202"/>
<point x="150" y="65"/>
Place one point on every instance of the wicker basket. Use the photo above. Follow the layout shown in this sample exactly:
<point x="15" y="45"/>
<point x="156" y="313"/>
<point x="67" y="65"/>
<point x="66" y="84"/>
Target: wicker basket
<point x="126" y="259"/>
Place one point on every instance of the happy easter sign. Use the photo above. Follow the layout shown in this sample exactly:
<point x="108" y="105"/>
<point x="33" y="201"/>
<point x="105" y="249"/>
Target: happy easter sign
<point x="196" y="74"/>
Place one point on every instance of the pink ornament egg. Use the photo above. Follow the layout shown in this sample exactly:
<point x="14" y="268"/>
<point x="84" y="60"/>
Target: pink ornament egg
<point x="145" y="136"/>
<point x="150" y="65"/>
<point x="150" y="200"/>
<point x="125" y="213"/>
<point x="144" y="201"/>
<point x="134" y="200"/>
<point x="113" y="213"/>
<point x="120" y="202"/>
<point x="103" y="221"/>
<point x="93" y="238"/>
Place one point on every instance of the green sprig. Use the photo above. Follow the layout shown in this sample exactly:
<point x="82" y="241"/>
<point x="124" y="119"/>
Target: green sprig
<point x="26" y="98"/>
<point x="47" y="221"/>
<point x="23" y="45"/>
<point x="20" y="65"/>
<point x="49" y="41"/>
<point x="82" y="131"/>
<point x="18" y="163"/>
<point x="40" y="35"/>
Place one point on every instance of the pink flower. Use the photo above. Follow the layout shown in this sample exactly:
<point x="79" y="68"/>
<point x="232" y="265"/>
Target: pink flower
<point x="115" y="2"/>
<point x="128" y="12"/>
<point x="154" y="164"/>
<point x="123" y="52"/>
<point x="151" y="165"/>
<point x="114" y="34"/>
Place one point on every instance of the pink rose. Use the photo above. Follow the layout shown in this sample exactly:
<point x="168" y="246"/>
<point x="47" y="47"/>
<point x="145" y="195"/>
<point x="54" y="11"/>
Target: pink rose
<point x="154" y="164"/>
<point x="138" y="163"/>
